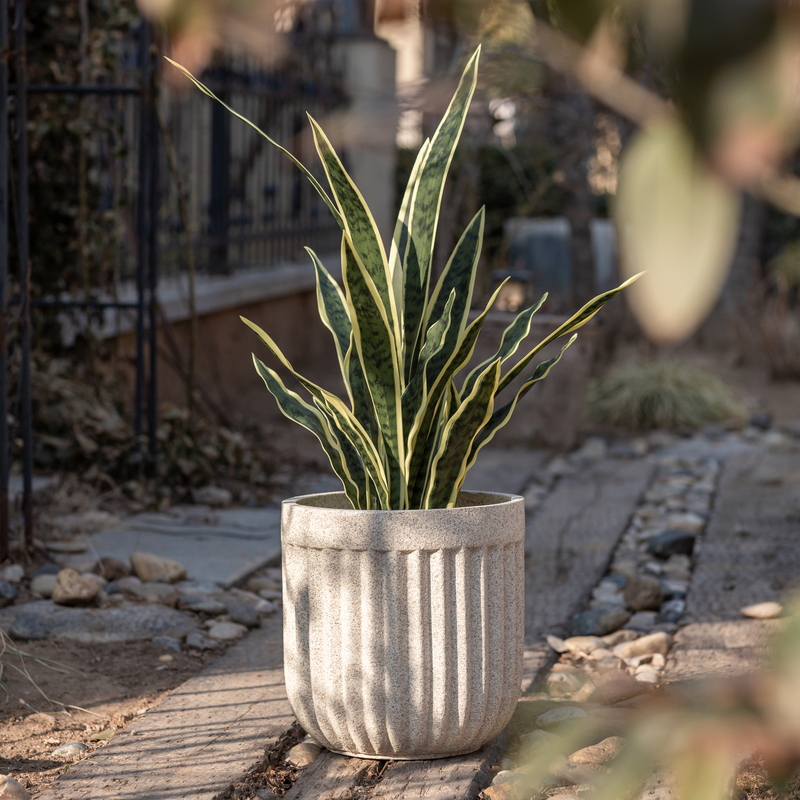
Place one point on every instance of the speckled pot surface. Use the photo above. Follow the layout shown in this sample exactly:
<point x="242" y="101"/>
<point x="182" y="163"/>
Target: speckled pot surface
<point x="403" y="630"/>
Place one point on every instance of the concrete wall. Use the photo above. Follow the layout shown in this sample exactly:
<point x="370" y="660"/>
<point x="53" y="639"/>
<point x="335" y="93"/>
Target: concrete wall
<point x="547" y="416"/>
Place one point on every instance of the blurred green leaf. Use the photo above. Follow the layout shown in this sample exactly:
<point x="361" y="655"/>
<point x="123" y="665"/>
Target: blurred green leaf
<point x="678" y="222"/>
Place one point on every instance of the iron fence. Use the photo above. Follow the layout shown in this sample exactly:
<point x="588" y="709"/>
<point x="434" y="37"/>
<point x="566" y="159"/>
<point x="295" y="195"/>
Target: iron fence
<point x="246" y="205"/>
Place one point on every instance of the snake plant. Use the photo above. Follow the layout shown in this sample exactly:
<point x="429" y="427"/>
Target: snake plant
<point x="410" y="427"/>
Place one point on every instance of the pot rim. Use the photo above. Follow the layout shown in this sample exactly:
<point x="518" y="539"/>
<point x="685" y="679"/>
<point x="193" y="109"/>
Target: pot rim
<point x="306" y="521"/>
<point x="504" y="498"/>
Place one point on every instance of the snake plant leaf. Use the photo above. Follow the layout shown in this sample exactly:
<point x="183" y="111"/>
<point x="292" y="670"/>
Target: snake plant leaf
<point x="414" y="394"/>
<point x="450" y="462"/>
<point x="312" y="180"/>
<point x="398" y="252"/>
<point x="360" y="228"/>
<point x="459" y="276"/>
<point x="572" y="324"/>
<point x="513" y="336"/>
<point x="375" y="347"/>
<point x="502" y="415"/>
<point x="428" y="199"/>
<point x="339" y="412"/>
<point x="413" y="310"/>
<point x="296" y="409"/>
<point x="332" y="308"/>
<point x="439" y="371"/>
<point x="358" y="391"/>
<point x="369" y="455"/>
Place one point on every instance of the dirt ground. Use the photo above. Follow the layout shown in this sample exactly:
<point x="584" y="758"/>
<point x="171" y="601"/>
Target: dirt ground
<point x="97" y="690"/>
<point x="106" y="686"/>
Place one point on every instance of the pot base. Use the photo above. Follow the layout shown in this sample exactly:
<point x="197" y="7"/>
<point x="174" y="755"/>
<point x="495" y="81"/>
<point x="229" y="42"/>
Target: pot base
<point x="405" y="758"/>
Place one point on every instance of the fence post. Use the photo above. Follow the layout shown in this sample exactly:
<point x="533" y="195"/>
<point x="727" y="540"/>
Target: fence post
<point x="4" y="454"/>
<point x="220" y="187"/>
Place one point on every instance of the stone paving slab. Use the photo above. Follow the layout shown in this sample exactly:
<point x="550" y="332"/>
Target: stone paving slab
<point x="748" y="554"/>
<point x="750" y="551"/>
<point x="202" y="736"/>
<point x="569" y="541"/>
<point x="218" y="545"/>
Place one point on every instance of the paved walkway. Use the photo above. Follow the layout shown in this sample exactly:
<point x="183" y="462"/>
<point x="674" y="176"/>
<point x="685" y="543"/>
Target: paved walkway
<point x="216" y="726"/>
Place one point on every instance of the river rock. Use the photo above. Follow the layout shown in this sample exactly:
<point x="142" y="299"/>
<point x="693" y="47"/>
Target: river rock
<point x="535" y="741"/>
<point x="558" y="716"/>
<point x="243" y="614"/>
<point x="214" y="496"/>
<point x="767" y="610"/>
<point x="597" y="755"/>
<point x="614" y="686"/>
<point x="658" y="642"/>
<point x="202" y="605"/>
<point x="11" y="789"/>
<point x="150" y="567"/>
<point x="597" y="621"/>
<point x="618" y="637"/>
<point x="303" y="754"/>
<point x="111" y="568"/>
<point x="156" y="592"/>
<point x="672" y="541"/>
<point x="72" y="589"/>
<point x="8" y="593"/>
<point x="227" y="631"/>
<point x="127" y="583"/>
<point x="196" y="640"/>
<point x="583" y="644"/>
<point x="43" y="585"/>
<point x="43" y="619"/>
<point x="563" y="684"/>
<point x="69" y="750"/>
<point x="642" y="594"/>
<point x="13" y="573"/>
<point x="570" y="772"/>
<point x="260" y="582"/>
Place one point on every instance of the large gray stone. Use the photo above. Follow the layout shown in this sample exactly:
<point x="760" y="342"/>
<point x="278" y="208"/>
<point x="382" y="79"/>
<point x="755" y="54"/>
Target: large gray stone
<point x="44" y="619"/>
<point x="598" y="621"/>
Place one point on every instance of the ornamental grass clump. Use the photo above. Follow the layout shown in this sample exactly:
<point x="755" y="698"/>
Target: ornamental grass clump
<point x="663" y="394"/>
<point x="410" y="428"/>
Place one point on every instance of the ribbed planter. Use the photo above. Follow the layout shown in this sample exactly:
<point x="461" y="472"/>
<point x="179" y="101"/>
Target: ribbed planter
<point x="403" y="630"/>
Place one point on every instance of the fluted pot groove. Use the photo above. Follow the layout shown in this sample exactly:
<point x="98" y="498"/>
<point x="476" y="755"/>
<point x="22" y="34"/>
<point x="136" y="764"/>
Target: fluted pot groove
<point x="403" y="630"/>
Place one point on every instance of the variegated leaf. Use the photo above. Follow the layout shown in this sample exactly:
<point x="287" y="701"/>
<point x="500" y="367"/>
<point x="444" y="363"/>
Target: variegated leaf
<point x="360" y="229"/>
<point x="450" y="463"/>
<point x="438" y="373"/>
<point x="425" y="213"/>
<point x="332" y="308"/>
<point x="513" y="336"/>
<point x="572" y="324"/>
<point x="414" y="394"/>
<point x="314" y="182"/>
<point x="343" y="416"/>
<point x="502" y="415"/>
<point x="375" y="348"/>
<point x="459" y="276"/>
<point x="296" y="409"/>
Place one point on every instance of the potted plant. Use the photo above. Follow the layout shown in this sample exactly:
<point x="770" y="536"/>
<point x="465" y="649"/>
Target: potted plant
<point x="403" y="595"/>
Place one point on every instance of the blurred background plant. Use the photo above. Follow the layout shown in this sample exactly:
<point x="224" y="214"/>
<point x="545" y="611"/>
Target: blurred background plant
<point x="662" y="394"/>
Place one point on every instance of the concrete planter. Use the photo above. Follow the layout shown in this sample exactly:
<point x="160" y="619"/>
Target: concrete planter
<point x="403" y="630"/>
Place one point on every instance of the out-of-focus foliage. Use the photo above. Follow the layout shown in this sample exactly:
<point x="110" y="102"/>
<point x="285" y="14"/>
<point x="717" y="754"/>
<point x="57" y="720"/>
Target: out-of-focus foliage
<point x="663" y="394"/>
<point x="677" y="218"/>
<point x="698" y="735"/>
